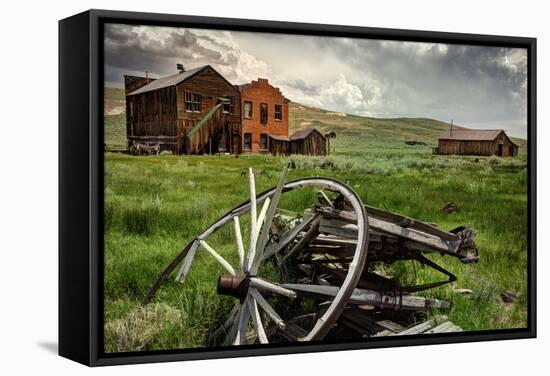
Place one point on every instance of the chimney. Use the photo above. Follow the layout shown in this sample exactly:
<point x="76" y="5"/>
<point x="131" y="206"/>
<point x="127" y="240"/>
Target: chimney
<point x="147" y="76"/>
<point x="180" y="68"/>
<point x="451" y="133"/>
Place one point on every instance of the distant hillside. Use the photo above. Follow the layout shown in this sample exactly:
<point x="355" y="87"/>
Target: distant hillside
<point x="354" y="134"/>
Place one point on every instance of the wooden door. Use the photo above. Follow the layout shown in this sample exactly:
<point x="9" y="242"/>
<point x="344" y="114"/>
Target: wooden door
<point x="236" y="144"/>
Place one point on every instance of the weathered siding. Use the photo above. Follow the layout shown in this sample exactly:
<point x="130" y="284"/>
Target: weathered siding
<point x="313" y="144"/>
<point x="279" y="147"/>
<point x="258" y="92"/>
<point x="211" y="86"/>
<point x="484" y="148"/>
<point x="151" y="118"/>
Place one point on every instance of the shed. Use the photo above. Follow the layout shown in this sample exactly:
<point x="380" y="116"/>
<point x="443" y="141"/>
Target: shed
<point x="476" y="142"/>
<point x="308" y="141"/>
<point x="279" y="145"/>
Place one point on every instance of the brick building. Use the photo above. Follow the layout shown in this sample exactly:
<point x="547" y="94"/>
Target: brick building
<point x="264" y="113"/>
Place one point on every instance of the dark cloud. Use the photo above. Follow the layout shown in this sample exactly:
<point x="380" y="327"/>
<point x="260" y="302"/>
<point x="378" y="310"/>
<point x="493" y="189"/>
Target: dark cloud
<point x="474" y="85"/>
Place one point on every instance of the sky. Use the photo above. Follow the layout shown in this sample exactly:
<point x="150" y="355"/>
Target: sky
<point x="475" y="86"/>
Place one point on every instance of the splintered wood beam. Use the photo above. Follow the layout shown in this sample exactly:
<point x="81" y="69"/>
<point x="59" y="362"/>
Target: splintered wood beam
<point x="256" y="319"/>
<point x="239" y="239"/>
<point x="261" y="284"/>
<point x="324" y="198"/>
<point x="268" y="309"/>
<point x="290" y="236"/>
<point x="187" y="261"/>
<point x="379" y="225"/>
<point x="218" y="258"/>
<point x="306" y="239"/>
<point x="370" y="297"/>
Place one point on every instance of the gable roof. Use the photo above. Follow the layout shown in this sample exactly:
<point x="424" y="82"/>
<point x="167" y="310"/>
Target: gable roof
<point x="301" y="134"/>
<point x="172" y="80"/>
<point x="471" y="134"/>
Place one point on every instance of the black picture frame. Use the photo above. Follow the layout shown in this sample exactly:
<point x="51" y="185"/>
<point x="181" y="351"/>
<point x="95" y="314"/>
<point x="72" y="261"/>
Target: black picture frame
<point x="81" y="182"/>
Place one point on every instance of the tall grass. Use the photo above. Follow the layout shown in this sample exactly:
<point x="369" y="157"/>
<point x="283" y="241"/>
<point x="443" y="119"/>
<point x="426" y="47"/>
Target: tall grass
<point x="154" y="205"/>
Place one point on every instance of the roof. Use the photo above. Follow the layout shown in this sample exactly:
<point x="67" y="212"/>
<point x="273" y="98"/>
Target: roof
<point x="280" y="138"/>
<point x="301" y="134"/>
<point x="168" y="81"/>
<point x="471" y="134"/>
<point x="242" y="86"/>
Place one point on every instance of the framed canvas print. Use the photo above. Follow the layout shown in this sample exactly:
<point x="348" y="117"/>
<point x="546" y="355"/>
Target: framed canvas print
<point x="239" y="187"/>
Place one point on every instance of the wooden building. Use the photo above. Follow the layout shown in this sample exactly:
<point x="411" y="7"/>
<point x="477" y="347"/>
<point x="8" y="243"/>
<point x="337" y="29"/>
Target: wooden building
<point x="476" y="142"/>
<point x="308" y="141"/>
<point x="192" y="112"/>
<point x="264" y="115"/>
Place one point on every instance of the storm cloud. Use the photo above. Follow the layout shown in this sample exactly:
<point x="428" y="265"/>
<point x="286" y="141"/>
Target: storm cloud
<point x="476" y="86"/>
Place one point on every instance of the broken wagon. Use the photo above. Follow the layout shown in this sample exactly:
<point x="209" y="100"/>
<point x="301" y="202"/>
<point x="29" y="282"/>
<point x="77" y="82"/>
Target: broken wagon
<point x="311" y="274"/>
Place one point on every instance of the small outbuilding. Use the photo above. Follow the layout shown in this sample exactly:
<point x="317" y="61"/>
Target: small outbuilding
<point x="476" y="142"/>
<point x="308" y="141"/>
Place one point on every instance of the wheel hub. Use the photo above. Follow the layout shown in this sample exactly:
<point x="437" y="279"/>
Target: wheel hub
<point x="235" y="286"/>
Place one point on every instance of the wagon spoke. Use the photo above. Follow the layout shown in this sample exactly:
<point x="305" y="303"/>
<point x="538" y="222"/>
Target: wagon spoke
<point x="218" y="257"/>
<point x="231" y="335"/>
<point x="253" y="218"/>
<point x="261" y="218"/>
<point x="261" y="284"/>
<point x="256" y="319"/>
<point x="267" y="308"/>
<point x="228" y="324"/>
<point x="264" y="235"/>
<point x="239" y="238"/>
<point x="187" y="261"/>
<point x="242" y="328"/>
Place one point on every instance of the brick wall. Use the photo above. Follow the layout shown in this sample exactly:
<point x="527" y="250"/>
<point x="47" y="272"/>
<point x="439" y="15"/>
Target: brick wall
<point x="259" y="92"/>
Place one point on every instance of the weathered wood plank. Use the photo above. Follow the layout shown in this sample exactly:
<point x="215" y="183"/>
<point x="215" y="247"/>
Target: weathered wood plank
<point x="290" y="236"/>
<point x="423" y="327"/>
<point x="432" y="241"/>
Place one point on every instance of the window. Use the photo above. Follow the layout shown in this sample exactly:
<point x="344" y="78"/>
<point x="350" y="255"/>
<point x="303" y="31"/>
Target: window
<point x="228" y="105"/>
<point x="263" y="113"/>
<point x="248" y="141"/>
<point x="278" y="112"/>
<point x="192" y="102"/>
<point x="248" y="109"/>
<point x="263" y="141"/>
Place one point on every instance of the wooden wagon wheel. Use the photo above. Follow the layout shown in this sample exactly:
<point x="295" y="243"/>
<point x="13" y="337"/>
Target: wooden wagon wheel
<point x="244" y="281"/>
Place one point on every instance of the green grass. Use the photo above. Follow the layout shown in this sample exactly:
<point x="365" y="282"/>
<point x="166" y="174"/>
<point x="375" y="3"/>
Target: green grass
<point x="154" y="205"/>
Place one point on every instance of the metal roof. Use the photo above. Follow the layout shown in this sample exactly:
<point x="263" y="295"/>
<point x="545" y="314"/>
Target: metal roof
<point x="280" y="138"/>
<point x="167" y="81"/>
<point x="301" y="134"/>
<point x="471" y="134"/>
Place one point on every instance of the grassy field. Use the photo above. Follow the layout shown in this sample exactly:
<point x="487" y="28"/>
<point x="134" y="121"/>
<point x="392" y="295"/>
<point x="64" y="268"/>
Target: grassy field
<point x="155" y="205"/>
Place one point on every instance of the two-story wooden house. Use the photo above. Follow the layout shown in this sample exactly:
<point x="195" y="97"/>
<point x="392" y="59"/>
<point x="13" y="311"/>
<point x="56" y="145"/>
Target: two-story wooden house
<point x="192" y="112"/>
<point x="264" y="114"/>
